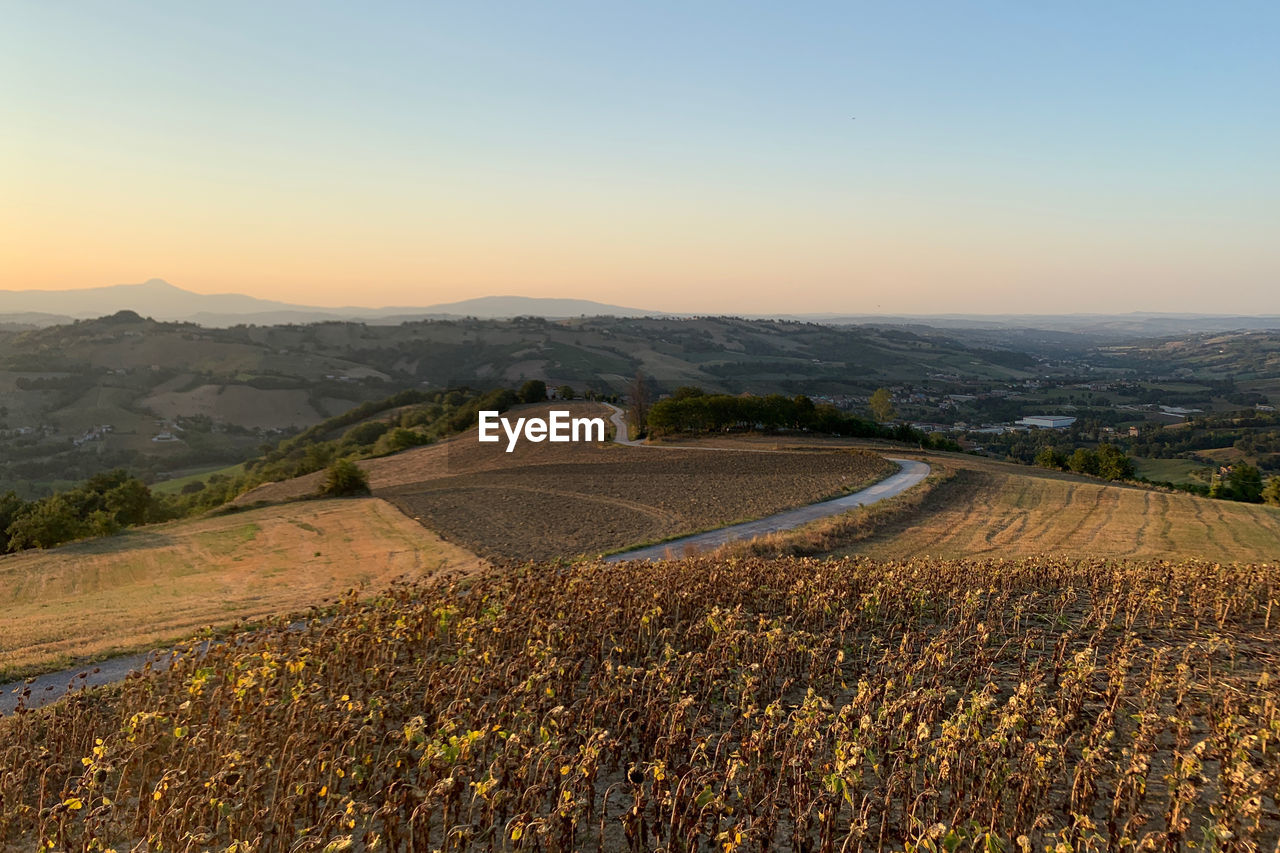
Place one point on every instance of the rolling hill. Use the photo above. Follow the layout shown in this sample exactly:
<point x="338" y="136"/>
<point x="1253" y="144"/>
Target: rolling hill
<point x="217" y="394"/>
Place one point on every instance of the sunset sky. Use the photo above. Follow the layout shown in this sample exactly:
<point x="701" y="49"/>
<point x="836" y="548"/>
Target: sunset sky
<point x="694" y="156"/>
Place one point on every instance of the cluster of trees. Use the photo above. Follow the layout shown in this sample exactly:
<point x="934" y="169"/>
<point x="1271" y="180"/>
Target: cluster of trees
<point x="691" y="410"/>
<point x="1107" y="461"/>
<point x="104" y="504"/>
<point x="1244" y="483"/>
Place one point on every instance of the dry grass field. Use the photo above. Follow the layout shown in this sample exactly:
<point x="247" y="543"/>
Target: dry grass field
<point x="998" y="509"/>
<point x="547" y="501"/>
<point x="146" y="587"/>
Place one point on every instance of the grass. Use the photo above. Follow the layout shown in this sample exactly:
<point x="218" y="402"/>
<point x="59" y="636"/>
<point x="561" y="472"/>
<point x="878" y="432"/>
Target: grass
<point x="147" y="587"/>
<point x="1185" y="471"/>
<point x="174" y="486"/>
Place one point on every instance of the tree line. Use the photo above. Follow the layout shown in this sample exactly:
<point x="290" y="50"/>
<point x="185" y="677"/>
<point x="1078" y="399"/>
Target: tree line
<point x="690" y="410"/>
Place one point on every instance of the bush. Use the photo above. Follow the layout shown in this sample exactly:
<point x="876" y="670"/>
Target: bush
<point x="533" y="391"/>
<point x="343" y="478"/>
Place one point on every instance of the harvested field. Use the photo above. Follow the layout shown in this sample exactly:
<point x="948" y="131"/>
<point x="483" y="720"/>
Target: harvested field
<point x="550" y="501"/>
<point x="995" y="509"/>
<point x="152" y="585"/>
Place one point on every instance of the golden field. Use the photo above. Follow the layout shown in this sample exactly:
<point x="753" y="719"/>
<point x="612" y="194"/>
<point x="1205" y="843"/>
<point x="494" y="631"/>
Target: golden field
<point x="152" y="585"/>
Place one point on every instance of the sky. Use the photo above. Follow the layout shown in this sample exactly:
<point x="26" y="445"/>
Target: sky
<point x="726" y="157"/>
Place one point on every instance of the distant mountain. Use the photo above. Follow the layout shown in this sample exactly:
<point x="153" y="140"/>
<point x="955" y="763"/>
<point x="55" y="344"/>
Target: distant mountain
<point x="163" y="301"/>
<point x="154" y="298"/>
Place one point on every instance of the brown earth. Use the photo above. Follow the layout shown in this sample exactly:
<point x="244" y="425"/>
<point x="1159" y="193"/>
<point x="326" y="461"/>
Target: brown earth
<point x="546" y="501"/>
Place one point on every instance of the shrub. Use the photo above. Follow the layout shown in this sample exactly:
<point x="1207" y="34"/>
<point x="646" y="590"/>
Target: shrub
<point x="343" y="478"/>
<point x="533" y="391"/>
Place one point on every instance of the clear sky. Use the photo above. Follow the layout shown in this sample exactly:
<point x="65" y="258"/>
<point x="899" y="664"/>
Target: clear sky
<point x="689" y="156"/>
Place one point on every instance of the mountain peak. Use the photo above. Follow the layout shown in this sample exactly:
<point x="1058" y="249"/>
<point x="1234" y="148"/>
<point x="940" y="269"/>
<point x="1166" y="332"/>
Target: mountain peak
<point x="159" y="284"/>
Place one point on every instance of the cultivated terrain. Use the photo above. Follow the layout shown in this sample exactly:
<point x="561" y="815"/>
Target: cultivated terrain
<point x="546" y="501"/>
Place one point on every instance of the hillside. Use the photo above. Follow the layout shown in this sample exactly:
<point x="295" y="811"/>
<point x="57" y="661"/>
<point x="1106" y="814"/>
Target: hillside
<point x="157" y="584"/>
<point x="1249" y="359"/>
<point x="166" y="398"/>
<point x="995" y="509"/>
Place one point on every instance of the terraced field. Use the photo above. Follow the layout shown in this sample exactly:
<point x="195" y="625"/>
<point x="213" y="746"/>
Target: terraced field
<point x="150" y="586"/>
<point x="992" y="509"/>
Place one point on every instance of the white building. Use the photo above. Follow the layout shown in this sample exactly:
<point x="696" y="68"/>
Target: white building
<point x="1048" y="421"/>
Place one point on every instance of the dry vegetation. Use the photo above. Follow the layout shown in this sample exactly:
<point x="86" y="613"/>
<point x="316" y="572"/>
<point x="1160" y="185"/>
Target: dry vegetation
<point x="551" y="501"/>
<point x="781" y="705"/>
<point x="996" y="509"/>
<point x="152" y="585"/>
<point x="638" y="495"/>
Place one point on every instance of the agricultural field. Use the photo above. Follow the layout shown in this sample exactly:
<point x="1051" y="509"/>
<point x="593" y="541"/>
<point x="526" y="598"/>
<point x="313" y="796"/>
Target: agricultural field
<point x="239" y="404"/>
<point x="692" y="705"/>
<point x="152" y="585"/>
<point x="554" y="501"/>
<point x="550" y="511"/>
<point x="1183" y="471"/>
<point x="1002" y="510"/>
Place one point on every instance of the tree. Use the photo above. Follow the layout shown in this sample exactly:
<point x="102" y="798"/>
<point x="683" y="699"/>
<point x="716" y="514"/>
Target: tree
<point x="129" y="503"/>
<point x="1246" y="482"/>
<point x="343" y="478"/>
<point x="11" y="506"/>
<point x="1083" y="461"/>
<point x="639" y="402"/>
<point x="44" y="524"/>
<point x="1113" y="464"/>
<point x="565" y="392"/>
<point x="533" y="391"/>
<point x="1051" y="457"/>
<point x="1271" y="494"/>
<point x="881" y="405"/>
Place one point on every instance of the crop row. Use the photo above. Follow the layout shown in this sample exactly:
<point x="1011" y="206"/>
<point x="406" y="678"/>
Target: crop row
<point x="696" y="705"/>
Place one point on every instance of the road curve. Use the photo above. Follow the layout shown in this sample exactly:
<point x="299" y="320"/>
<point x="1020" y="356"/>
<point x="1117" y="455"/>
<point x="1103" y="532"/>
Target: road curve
<point x="47" y="688"/>
<point x="910" y="473"/>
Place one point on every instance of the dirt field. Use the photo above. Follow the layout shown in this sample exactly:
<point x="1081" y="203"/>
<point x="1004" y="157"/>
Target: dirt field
<point x="547" y="501"/>
<point x="998" y="509"/>
<point x="640" y="495"/>
<point x="149" y="586"/>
